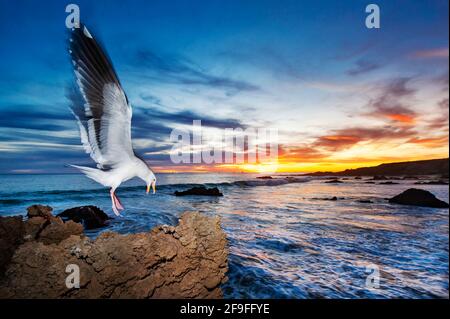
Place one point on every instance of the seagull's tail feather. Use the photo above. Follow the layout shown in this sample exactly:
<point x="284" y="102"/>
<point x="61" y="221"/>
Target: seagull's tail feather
<point x="93" y="173"/>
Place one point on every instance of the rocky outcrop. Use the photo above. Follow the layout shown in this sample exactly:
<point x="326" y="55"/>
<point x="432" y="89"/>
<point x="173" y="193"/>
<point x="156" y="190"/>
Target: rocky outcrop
<point x="414" y="168"/>
<point x="418" y="197"/>
<point x="41" y="226"/>
<point x="11" y="236"/>
<point x="90" y="217"/>
<point x="185" y="261"/>
<point x="200" y="191"/>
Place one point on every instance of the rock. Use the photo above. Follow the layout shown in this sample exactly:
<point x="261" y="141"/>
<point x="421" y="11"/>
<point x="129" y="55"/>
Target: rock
<point x="265" y="177"/>
<point x="56" y="231"/>
<point x="364" y="201"/>
<point x="334" y="181"/>
<point x="39" y="211"/>
<point x="201" y="191"/>
<point x="418" y="197"/>
<point x="11" y="236"/>
<point x="185" y="261"/>
<point x="358" y="177"/>
<point x="369" y="182"/>
<point x="34" y="226"/>
<point x="330" y="198"/>
<point x="388" y="183"/>
<point x="90" y="216"/>
<point x="43" y="226"/>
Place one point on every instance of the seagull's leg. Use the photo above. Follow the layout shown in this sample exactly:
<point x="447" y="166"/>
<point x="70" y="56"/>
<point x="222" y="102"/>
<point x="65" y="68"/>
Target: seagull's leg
<point x="111" y="192"/>
<point x="118" y="203"/>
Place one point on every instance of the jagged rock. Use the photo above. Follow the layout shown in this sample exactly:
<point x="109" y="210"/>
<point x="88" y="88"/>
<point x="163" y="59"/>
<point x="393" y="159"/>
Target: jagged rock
<point x="185" y="261"/>
<point x="388" y="183"/>
<point x="34" y="226"/>
<point x="11" y="236"/>
<point x="334" y="198"/>
<point x="39" y="211"/>
<point x="201" y="191"/>
<point x="43" y="226"/>
<point x="265" y="177"/>
<point x="56" y="230"/>
<point x="364" y="201"/>
<point x="90" y="217"/>
<point x="418" y="197"/>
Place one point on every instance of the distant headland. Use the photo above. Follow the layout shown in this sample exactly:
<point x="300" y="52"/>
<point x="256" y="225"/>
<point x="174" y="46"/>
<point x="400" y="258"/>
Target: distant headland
<point x="425" y="167"/>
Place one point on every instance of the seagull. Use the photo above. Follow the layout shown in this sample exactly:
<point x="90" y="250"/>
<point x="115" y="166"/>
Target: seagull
<point x="103" y="114"/>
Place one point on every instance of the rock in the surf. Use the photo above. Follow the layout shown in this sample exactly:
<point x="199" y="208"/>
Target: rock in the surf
<point x="418" y="197"/>
<point x="39" y="211"/>
<point x="200" y="191"/>
<point x="334" y="181"/>
<point x="90" y="217"/>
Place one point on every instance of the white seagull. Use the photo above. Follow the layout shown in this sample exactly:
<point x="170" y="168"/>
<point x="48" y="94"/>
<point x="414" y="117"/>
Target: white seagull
<point x="103" y="113"/>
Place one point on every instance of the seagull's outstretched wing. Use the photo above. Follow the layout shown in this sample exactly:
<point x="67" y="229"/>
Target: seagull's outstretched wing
<point x="101" y="106"/>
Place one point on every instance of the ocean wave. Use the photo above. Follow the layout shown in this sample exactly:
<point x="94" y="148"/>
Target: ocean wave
<point x="13" y="198"/>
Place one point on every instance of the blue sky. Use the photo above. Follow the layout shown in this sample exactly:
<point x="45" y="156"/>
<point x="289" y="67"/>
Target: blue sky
<point x="337" y="91"/>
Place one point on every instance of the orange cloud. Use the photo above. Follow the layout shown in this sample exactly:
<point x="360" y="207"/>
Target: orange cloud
<point x="348" y="137"/>
<point x="402" y="118"/>
<point x="431" y="141"/>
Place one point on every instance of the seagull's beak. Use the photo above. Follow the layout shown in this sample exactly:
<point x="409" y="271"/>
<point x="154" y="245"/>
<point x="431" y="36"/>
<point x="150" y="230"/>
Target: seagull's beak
<point x="153" y="185"/>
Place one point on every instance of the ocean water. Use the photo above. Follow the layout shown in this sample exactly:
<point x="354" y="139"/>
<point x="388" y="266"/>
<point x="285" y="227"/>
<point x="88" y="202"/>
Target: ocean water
<point x="285" y="240"/>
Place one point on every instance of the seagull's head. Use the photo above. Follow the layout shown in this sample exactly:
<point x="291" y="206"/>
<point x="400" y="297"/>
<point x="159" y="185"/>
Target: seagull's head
<point x="149" y="178"/>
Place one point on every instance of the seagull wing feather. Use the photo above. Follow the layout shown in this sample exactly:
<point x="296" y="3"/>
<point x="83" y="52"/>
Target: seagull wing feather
<point x="100" y="106"/>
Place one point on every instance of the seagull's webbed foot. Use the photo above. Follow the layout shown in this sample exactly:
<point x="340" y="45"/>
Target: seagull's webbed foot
<point x="118" y="203"/>
<point x="115" y="201"/>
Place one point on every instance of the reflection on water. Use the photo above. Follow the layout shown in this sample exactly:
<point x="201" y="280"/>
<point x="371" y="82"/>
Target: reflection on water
<point x="285" y="240"/>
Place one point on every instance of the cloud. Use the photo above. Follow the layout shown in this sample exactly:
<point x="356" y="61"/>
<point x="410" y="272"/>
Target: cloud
<point x="180" y="70"/>
<point x="389" y="104"/>
<point x="347" y="137"/>
<point x="29" y="117"/>
<point x="442" y="53"/>
<point x="441" y="121"/>
<point x="187" y="117"/>
<point x="431" y="142"/>
<point x="265" y="57"/>
<point x="302" y="153"/>
<point x="363" y="66"/>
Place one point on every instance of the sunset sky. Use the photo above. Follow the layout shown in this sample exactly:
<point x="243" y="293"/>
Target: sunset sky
<point x="340" y="95"/>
